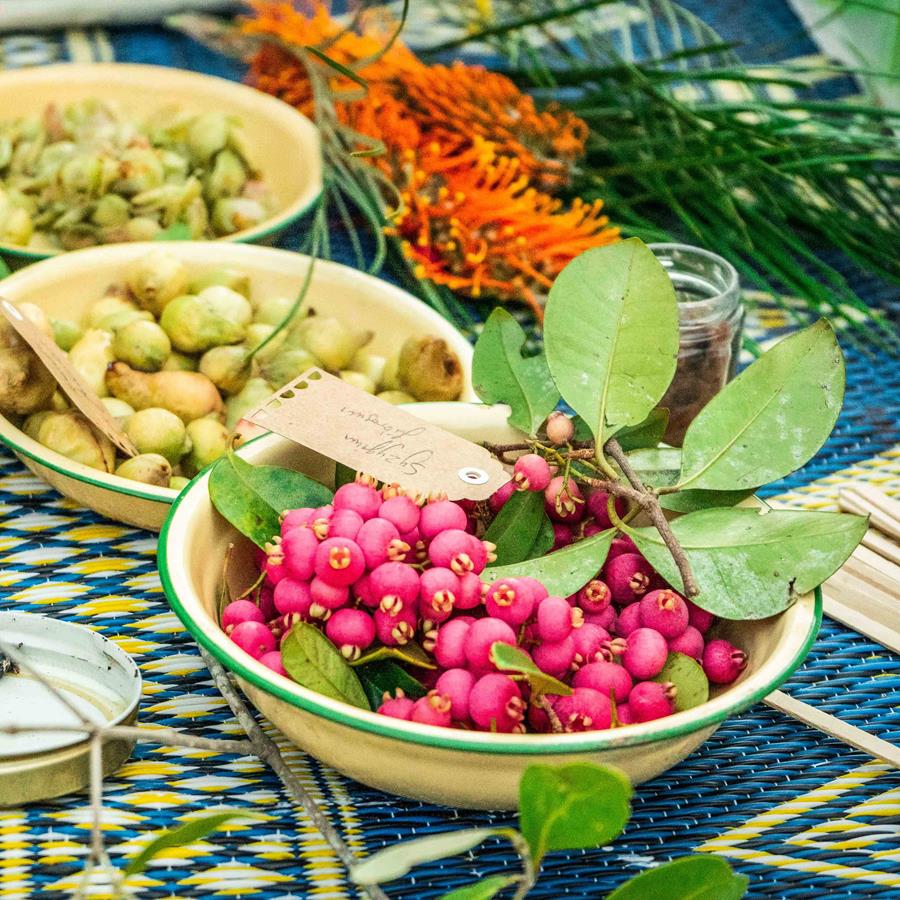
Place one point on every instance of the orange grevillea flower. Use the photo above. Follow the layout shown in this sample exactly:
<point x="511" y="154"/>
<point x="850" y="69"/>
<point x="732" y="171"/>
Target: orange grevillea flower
<point x="474" y="159"/>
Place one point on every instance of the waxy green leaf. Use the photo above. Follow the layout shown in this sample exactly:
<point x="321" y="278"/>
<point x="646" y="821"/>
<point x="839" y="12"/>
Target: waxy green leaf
<point x="657" y="467"/>
<point x="572" y="807"/>
<point x="315" y="663"/>
<point x="383" y="676"/>
<point x="342" y="475"/>
<point x="564" y="571"/>
<point x="751" y="564"/>
<point x="511" y="659"/>
<point x="543" y="542"/>
<point x="281" y="488"/>
<point x="645" y="434"/>
<point x="516" y="527"/>
<point x="771" y="419"/>
<point x="691" y="501"/>
<point x="698" y="877"/>
<point x="611" y="335"/>
<point x="395" y="861"/>
<point x="501" y="374"/>
<point x="689" y="679"/>
<point x="410" y="653"/>
<point x="486" y="889"/>
<point x="237" y="502"/>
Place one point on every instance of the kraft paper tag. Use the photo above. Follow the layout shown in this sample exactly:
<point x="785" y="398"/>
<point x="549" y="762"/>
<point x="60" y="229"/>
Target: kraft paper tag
<point x="369" y="435"/>
<point x="69" y="380"/>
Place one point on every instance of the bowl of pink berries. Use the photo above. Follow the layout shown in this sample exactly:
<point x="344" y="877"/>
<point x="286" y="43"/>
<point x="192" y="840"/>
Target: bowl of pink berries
<point x="606" y="603"/>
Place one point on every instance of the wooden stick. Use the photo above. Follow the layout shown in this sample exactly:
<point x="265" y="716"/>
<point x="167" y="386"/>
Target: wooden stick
<point x="883" y="512"/>
<point x="882" y="545"/>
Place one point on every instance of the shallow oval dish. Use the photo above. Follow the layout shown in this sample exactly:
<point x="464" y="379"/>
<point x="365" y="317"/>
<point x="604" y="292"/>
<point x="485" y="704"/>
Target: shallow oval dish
<point x="441" y="765"/>
<point x="281" y="142"/>
<point x="65" y="285"/>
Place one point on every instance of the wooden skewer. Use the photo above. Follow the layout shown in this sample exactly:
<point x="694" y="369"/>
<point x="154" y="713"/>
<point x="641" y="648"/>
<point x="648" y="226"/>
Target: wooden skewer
<point x="883" y="512"/>
<point x="882" y="545"/>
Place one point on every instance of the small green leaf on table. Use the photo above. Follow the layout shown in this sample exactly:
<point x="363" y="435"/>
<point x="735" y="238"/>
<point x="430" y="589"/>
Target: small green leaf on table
<point x="611" y="335"/>
<point x="315" y="663"/>
<point x="516" y="527"/>
<point x="384" y="676"/>
<point x="564" y="571"/>
<point x="281" y="488"/>
<point x="511" y="659"/>
<point x="690" y="681"/>
<point x="395" y="861"/>
<point x="501" y="374"/>
<point x="237" y="502"/>
<point x="482" y="890"/>
<point x="697" y="877"/>
<point x="178" y="231"/>
<point x="572" y="807"/>
<point x="771" y="419"/>
<point x="645" y="434"/>
<point x="750" y="564"/>
<point x="410" y="653"/>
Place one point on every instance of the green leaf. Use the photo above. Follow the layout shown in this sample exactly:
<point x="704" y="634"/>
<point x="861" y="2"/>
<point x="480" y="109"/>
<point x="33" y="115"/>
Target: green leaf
<point x="689" y="679"/>
<point x="771" y="419"/>
<point x="342" y="475"/>
<point x="315" y="663"/>
<point x="517" y="526"/>
<point x="178" y="231"/>
<point x="543" y="542"/>
<point x="512" y="659"/>
<point x="750" y="564"/>
<point x="410" y="653"/>
<point x="657" y="467"/>
<point x="184" y="836"/>
<point x="691" y="501"/>
<point x="395" y="861"/>
<point x="500" y="374"/>
<point x="384" y="675"/>
<point x="241" y="505"/>
<point x="645" y="434"/>
<point x="696" y="877"/>
<point x="482" y="890"/>
<point x="611" y="335"/>
<point x="281" y="488"/>
<point x="572" y="807"/>
<point x="564" y="571"/>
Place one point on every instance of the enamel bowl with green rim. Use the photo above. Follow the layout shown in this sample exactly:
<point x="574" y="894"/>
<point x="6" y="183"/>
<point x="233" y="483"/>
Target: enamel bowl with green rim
<point x="65" y="285"/>
<point x="280" y="142"/>
<point x="440" y="765"/>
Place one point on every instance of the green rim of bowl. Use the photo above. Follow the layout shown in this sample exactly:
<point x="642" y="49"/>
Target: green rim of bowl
<point x="432" y="736"/>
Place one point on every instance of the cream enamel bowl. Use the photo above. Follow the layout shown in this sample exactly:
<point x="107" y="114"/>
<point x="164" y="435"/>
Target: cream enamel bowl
<point x="441" y="765"/>
<point x="65" y="285"/>
<point x="281" y="142"/>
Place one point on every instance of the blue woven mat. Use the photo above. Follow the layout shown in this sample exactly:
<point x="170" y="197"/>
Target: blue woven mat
<point x="804" y="816"/>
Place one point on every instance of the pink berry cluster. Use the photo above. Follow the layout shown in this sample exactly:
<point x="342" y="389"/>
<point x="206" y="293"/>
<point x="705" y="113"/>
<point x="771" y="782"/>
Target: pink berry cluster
<point x="378" y="567"/>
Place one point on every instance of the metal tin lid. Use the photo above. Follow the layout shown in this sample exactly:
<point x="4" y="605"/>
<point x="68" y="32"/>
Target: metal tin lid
<point x="96" y="677"/>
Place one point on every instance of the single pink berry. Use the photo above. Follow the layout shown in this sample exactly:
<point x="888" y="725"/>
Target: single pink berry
<point x="339" y="561"/>
<point x="293" y="597"/>
<point x="495" y="703"/>
<point x="450" y="643"/>
<point x="595" y="596"/>
<point x="560" y="428"/>
<point x="699" y="618"/>
<point x="396" y="630"/>
<point x="608" y="678"/>
<point x="531" y="473"/>
<point x="537" y="588"/>
<point x="650" y="700"/>
<point x="351" y="631"/>
<point x="296" y="518"/>
<point x="664" y="611"/>
<point x="326" y="597"/>
<point x="299" y="547"/>
<point x="628" y="577"/>
<point x="621" y="544"/>
<point x="588" y="640"/>
<point x="380" y="542"/>
<point x="361" y="498"/>
<point x="689" y="642"/>
<point x="722" y="661"/>
<point x="275" y="569"/>
<point x="606" y="619"/>
<point x="319" y="520"/>
<point x="396" y="587"/>
<point x="556" y="619"/>
<point x="402" y="511"/>
<point x="598" y="507"/>
<point x="629" y="619"/>
<point x="457" y="685"/>
<point x="440" y="516"/>
<point x="483" y="634"/>
<point x="240" y="611"/>
<point x="555" y="658"/>
<point x="362" y="591"/>
<point x="457" y="550"/>
<point x="345" y="523"/>
<point x="471" y="591"/>
<point x="646" y="653"/>
<point x="511" y="600"/>
<point x="432" y="709"/>
<point x="584" y="710"/>
<point x="272" y="660"/>
<point x="253" y="638"/>
<point x="563" y="535"/>
<point x="399" y="707"/>
<point x="438" y="589"/>
<point x="624" y="715"/>
<point x="564" y="501"/>
<point x="498" y="499"/>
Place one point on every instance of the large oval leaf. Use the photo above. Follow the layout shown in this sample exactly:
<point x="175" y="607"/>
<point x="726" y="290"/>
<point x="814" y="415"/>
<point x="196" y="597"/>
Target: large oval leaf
<point x="500" y="374"/>
<point x="751" y="564"/>
<point x="689" y="878"/>
<point x="281" y="488"/>
<point x="236" y="501"/>
<point x="690" y="681"/>
<point x="771" y="419"/>
<point x="517" y="526"/>
<point x="564" y="571"/>
<point x="611" y="335"/>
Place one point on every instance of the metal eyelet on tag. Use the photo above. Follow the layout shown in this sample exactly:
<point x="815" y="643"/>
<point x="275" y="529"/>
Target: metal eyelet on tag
<point x="473" y="475"/>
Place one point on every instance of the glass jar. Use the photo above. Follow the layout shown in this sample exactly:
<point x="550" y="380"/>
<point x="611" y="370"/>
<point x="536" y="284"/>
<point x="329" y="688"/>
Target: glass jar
<point x="711" y="319"/>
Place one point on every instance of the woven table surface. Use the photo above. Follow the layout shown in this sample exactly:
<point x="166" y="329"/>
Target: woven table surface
<point x="803" y="815"/>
